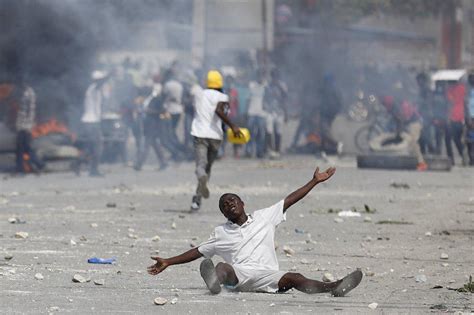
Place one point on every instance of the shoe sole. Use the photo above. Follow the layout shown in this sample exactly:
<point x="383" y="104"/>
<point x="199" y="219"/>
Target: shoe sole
<point x="208" y="273"/>
<point x="202" y="187"/>
<point x="348" y="283"/>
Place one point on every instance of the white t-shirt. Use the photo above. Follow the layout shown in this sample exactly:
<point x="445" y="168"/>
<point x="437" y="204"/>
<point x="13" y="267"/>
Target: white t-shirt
<point x="251" y="245"/>
<point x="174" y="94"/>
<point x="257" y="91"/>
<point x="92" y="104"/>
<point x="206" y="123"/>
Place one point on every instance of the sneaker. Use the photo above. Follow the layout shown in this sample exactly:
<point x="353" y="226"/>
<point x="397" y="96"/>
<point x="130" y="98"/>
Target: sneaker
<point x="348" y="283"/>
<point x="422" y="166"/>
<point x="202" y="187"/>
<point x="196" y="204"/>
<point x="273" y="155"/>
<point x="208" y="273"/>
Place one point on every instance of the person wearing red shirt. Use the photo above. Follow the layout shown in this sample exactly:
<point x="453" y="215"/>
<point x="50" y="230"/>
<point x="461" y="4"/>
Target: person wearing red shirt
<point x="455" y="94"/>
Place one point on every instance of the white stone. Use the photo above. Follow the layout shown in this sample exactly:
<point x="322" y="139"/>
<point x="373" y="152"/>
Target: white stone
<point x="367" y="219"/>
<point x="173" y="225"/>
<point x="288" y="250"/>
<point x="428" y="234"/>
<point x="420" y="278"/>
<point x="94" y="225"/>
<point x="39" y="276"/>
<point x="21" y="235"/>
<point x="174" y="301"/>
<point x="338" y="220"/>
<point x="445" y="264"/>
<point x="328" y="277"/>
<point x="99" y="282"/>
<point x="80" y="279"/>
<point x="12" y="220"/>
<point x="444" y="256"/>
<point x="373" y="306"/>
<point x="156" y="238"/>
<point x="160" y="301"/>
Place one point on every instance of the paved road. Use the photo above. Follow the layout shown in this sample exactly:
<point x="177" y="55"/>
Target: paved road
<point x="68" y="221"/>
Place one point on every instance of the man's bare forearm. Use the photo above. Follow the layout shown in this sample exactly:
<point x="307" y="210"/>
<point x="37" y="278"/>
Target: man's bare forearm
<point x="220" y="112"/>
<point x="298" y="194"/>
<point x="186" y="257"/>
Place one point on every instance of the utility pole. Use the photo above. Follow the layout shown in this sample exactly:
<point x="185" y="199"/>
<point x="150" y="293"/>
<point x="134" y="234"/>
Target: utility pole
<point x="451" y="34"/>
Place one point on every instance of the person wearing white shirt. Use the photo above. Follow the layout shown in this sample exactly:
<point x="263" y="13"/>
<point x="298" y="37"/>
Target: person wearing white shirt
<point x="91" y="132"/>
<point x="246" y="243"/>
<point x="206" y="128"/>
<point x="257" y="117"/>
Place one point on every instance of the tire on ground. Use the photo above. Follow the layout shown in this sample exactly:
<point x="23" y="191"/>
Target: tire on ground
<point x="438" y="163"/>
<point x="400" y="148"/>
<point x="387" y="161"/>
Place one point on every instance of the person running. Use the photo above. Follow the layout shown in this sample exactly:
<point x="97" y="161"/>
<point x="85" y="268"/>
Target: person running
<point x="246" y="243"/>
<point x="206" y="129"/>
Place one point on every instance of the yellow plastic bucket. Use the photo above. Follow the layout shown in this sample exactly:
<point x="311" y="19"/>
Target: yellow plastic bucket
<point x="238" y="140"/>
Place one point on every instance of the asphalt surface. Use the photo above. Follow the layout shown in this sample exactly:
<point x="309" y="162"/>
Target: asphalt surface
<point x="417" y="218"/>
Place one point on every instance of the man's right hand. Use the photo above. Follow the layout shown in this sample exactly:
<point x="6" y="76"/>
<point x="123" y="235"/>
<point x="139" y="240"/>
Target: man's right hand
<point x="161" y="264"/>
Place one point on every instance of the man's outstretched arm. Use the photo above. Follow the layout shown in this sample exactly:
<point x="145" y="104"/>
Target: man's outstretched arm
<point x="298" y="194"/>
<point x="162" y="263"/>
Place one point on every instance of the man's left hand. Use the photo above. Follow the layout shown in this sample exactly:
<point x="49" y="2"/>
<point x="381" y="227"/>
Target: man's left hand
<point x="321" y="177"/>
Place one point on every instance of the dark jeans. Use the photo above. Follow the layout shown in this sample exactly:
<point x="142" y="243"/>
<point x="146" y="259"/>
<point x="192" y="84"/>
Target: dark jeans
<point x="257" y="126"/>
<point x="454" y="133"/>
<point x="426" y="138"/>
<point x="23" y="146"/>
<point x="152" y="131"/>
<point x="91" y="140"/>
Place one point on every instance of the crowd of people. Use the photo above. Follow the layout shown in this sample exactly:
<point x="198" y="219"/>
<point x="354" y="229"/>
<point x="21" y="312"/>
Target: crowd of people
<point x="156" y="107"/>
<point x="438" y="116"/>
<point x="159" y="109"/>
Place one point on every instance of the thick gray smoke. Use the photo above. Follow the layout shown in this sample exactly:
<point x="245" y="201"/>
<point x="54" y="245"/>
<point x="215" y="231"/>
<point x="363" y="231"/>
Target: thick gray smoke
<point x="53" y="44"/>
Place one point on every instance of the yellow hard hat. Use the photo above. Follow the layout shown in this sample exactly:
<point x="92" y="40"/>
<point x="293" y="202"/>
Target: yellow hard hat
<point x="214" y="80"/>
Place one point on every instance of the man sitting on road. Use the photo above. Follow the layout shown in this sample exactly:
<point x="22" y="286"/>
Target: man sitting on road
<point x="247" y="245"/>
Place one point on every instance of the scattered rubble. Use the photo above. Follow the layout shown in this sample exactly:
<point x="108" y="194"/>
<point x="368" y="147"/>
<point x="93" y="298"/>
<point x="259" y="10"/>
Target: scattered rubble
<point x="99" y="281"/>
<point x="160" y="301"/>
<point x="373" y="306"/>
<point x="369" y="209"/>
<point x="420" y="278"/>
<point x="395" y="222"/>
<point x="80" y="279"/>
<point x="400" y="185"/>
<point x="444" y="256"/>
<point x="288" y="250"/>
<point x="328" y="277"/>
<point x="21" y="235"/>
<point x="348" y="214"/>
